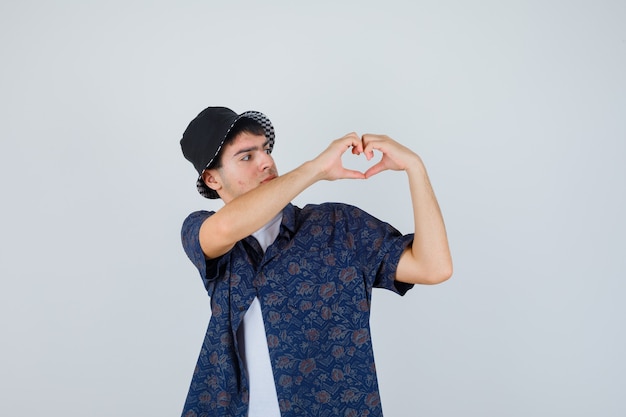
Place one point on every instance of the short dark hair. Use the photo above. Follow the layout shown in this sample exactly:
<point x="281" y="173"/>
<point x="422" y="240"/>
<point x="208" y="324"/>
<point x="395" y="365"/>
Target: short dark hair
<point x="243" y="125"/>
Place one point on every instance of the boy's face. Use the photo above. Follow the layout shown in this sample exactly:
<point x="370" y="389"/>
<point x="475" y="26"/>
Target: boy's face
<point x="246" y="164"/>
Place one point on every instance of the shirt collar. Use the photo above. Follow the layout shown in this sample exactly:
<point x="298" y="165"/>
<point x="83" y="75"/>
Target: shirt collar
<point x="289" y="218"/>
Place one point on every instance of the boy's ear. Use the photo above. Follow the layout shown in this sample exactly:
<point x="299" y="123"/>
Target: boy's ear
<point x="210" y="180"/>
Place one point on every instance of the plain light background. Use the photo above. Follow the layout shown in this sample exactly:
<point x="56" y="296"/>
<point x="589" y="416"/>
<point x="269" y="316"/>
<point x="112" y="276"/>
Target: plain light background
<point x="518" y="109"/>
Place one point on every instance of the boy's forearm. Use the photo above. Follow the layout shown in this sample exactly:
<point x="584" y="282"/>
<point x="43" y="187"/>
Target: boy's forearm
<point x="249" y="212"/>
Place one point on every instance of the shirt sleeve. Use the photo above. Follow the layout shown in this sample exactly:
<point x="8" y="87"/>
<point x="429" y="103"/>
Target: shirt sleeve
<point x="385" y="278"/>
<point x="380" y="248"/>
<point x="190" y="235"/>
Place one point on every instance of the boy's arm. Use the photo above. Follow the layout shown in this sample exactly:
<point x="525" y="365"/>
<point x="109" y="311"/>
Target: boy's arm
<point x="428" y="260"/>
<point x="249" y="212"/>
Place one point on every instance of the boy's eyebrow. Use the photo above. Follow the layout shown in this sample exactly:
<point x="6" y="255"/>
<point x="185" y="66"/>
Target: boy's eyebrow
<point x="251" y="148"/>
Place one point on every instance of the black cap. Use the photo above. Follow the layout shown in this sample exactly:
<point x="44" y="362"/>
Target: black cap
<point x="205" y="135"/>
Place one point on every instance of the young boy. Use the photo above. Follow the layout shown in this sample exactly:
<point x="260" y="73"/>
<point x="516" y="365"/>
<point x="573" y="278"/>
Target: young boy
<point x="290" y="287"/>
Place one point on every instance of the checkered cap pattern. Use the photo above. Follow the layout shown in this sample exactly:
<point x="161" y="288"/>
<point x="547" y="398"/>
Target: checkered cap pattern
<point x="258" y="117"/>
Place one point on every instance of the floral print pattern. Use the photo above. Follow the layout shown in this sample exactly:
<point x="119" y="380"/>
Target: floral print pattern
<point x="314" y="284"/>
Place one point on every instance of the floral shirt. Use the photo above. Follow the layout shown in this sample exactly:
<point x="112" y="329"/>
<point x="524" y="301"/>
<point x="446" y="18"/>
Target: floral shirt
<point x="314" y="284"/>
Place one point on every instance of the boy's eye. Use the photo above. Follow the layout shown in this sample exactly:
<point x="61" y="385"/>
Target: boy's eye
<point x="246" y="158"/>
<point x="268" y="151"/>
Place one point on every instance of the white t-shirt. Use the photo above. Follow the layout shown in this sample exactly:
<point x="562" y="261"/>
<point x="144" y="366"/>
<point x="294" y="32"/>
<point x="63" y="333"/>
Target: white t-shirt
<point x="253" y="343"/>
